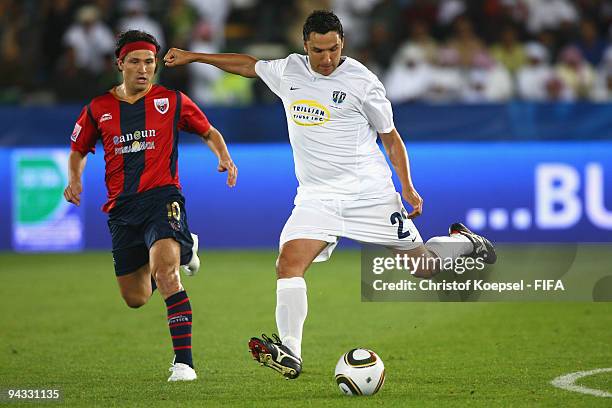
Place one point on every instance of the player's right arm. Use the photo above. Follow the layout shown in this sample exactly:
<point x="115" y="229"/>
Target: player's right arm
<point x="76" y="165"/>
<point x="83" y="141"/>
<point x="239" y="64"/>
<point x="193" y="120"/>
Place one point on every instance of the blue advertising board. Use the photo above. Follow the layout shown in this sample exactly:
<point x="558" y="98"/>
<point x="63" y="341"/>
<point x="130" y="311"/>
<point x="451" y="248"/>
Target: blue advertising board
<point x="510" y="192"/>
<point x="515" y="121"/>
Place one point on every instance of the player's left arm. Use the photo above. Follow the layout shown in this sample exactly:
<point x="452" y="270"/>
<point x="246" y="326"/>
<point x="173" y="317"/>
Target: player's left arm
<point x="216" y="144"/>
<point x="398" y="156"/>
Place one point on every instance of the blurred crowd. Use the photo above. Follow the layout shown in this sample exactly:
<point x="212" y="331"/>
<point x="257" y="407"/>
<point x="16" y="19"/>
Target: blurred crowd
<point x="474" y="51"/>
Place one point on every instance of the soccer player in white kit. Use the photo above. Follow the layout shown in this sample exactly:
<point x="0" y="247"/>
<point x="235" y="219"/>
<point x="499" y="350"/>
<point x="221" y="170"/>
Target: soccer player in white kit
<point x="335" y="110"/>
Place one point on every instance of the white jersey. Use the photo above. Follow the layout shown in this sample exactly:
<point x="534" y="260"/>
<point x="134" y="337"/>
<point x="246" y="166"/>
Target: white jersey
<point x="333" y="123"/>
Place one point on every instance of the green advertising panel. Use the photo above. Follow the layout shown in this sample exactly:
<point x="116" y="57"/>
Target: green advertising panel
<point x="42" y="219"/>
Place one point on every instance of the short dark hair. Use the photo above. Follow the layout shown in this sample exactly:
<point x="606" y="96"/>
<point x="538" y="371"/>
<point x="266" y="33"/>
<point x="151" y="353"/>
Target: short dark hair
<point x="131" y="36"/>
<point x="322" y="22"/>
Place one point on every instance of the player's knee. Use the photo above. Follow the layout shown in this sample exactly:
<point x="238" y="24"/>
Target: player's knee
<point x="287" y="268"/>
<point x="168" y="280"/>
<point x="135" y="301"/>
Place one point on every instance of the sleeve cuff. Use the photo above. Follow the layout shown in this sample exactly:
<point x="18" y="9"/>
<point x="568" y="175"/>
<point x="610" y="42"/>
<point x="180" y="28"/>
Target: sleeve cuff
<point x="387" y="129"/>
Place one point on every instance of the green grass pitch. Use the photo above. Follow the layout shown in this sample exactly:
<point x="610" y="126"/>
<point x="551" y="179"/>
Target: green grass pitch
<point x="65" y="326"/>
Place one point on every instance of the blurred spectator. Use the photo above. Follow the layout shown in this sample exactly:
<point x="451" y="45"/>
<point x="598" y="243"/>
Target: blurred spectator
<point x="446" y="81"/>
<point x="422" y="13"/>
<point x="89" y="40"/>
<point x="45" y="42"/>
<point x="215" y="12"/>
<point x="384" y="28"/>
<point x="409" y="76"/>
<point x="501" y="13"/>
<point x="548" y="39"/>
<point x="135" y="17"/>
<point x="293" y="35"/>
<point x="487" y="81"/>
<point x="557" y="91"/>
<point x="364" y="55"/>
<point x="240" y="26"/>
<point x="110" y="76"/>
<point x="465" y="41"/>
<point x="233" y="90"/>
<point x="449" y="10"/>
<point x="509" y="52"/>
<point x="13" y="76"/>
<point x="606" y="61"/>
<point x="602" y="87"/>
<point x="203" y="76"/>
<point x="603" y="90"/>
<point x="590" y="44"/>
<point x="72" y="81"/>
<point x="475" y="89"/>
<point x="180" y="21"/>
<point x="531" y="78"/>
<point x="419" y="35"/>
<point x="549" y="14"/>
<point x="56" y="17"/>
<point x="354" y="16"/>
<point x="576" y="74"/>
<point x="109" y="10"/>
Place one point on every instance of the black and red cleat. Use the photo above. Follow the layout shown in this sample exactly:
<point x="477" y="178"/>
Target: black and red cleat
<point x="272" y="353"/>
<point x="483" y="248"/>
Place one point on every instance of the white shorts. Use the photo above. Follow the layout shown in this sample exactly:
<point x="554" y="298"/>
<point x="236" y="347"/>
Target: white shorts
<point x="374" y="221"/>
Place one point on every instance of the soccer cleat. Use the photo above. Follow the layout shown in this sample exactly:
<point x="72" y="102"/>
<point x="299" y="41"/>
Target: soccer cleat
<point x="182" y="372"/>
<point x="482" y="246"/>
<point x="194" y="263"/>
<point x="276" y="355"/>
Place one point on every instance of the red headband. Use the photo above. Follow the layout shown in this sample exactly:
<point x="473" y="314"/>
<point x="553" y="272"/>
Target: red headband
<point x="137" y="45"/>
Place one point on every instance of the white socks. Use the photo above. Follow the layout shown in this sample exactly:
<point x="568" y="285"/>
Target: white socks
<point x="291" y="311"/>
<point x="452" y="246"/>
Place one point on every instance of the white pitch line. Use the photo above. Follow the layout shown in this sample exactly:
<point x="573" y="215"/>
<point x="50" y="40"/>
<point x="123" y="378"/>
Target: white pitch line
<point x="567" y="381"/>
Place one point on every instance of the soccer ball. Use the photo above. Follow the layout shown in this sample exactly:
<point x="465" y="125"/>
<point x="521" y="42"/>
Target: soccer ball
<point x="360" y="372"/>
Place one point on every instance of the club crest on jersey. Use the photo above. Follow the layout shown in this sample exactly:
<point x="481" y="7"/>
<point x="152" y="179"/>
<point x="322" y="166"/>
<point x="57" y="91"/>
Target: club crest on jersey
<point x="161" y="105"/>
<point x="338" y="96"/>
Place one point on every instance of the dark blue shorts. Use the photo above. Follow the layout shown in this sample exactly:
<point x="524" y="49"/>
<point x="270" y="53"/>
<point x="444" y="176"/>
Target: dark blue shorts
<point x="138" y="222"/>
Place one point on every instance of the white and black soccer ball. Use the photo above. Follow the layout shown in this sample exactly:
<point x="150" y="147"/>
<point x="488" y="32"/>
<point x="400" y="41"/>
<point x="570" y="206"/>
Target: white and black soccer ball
<point x="360" y="372"/>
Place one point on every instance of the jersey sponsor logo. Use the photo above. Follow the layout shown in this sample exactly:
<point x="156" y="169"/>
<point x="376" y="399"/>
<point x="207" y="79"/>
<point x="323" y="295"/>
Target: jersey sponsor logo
<point x="338" y="96"/>
<point x="137" y="139"/>
<point x="161" y="105"/>
<point x="75" y="132"/>
<point x="135" y="147"/>
<point x="309" y="113"/>
<point x="105" y="117"/>
<point x="136" y="135"/>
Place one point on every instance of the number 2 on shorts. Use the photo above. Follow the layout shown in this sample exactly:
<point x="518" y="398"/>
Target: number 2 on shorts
<point x="397" y="217"/>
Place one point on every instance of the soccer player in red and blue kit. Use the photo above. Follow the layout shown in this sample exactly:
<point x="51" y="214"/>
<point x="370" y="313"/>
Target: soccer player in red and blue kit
<point x="138" y="124"/>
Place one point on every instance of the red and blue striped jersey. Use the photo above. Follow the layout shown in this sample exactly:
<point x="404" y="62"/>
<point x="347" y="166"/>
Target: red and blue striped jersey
<point x="140" y="139"/>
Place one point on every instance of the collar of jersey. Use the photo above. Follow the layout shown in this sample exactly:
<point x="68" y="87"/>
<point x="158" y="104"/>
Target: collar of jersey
<point x="315" y="74"/>
<point x="113" y="92"/>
